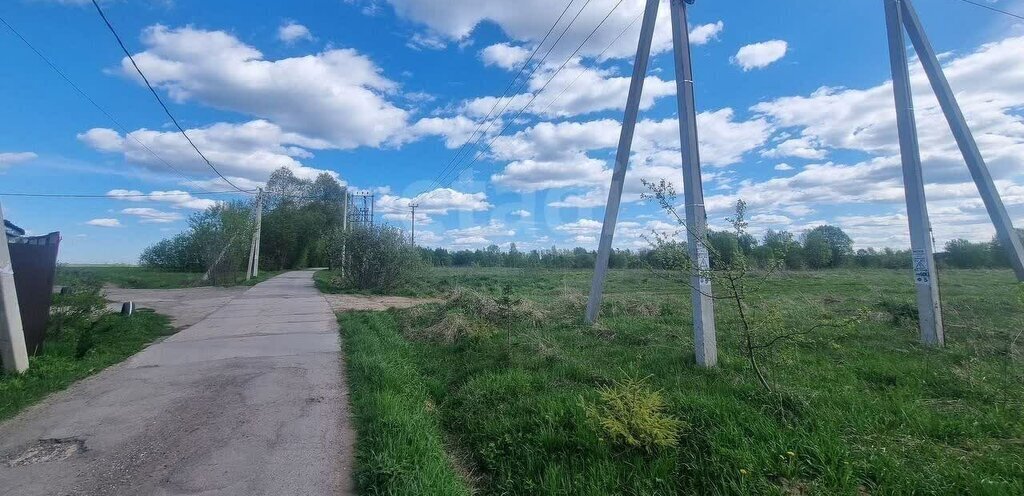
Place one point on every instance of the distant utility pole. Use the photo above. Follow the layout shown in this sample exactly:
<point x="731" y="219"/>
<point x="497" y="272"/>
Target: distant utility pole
<point x="12" y="334"/>
<point x="696" y="219"/>
<point x="344" y="229"/>
<point x="254" y="249"/>
<point x="900" y="16"/>
<point x="413" y="207"/>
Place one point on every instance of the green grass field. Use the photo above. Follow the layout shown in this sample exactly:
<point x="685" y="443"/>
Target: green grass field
<point x="474" y="396"/>
<point x="127" y="276"/>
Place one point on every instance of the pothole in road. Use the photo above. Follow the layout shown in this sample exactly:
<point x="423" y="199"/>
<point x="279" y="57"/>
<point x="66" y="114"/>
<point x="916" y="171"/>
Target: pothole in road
<point x="48" y="450"/>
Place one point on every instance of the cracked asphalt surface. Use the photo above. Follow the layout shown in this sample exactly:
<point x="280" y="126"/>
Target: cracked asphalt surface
<point x="250" y="400"/>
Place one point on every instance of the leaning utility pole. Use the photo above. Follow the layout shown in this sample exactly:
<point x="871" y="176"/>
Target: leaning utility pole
<point x="704" y="337"/>
<point x="254" y="250"/>
<point x="611" y="212"/>
<point x="965" y="140"/>
<point x="413" y="207"/>
<point x="12" y="334"/>
<point x="696" y="219"/>
<point x="900" y="15"/>
<point x="925" y="276"/>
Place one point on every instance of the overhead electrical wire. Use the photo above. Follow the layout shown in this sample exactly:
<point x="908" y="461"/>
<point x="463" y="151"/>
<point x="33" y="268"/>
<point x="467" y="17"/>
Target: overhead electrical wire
<point x="157" y="95"/>
<point x="578" y="76"/>
<point x="117" y="197"/>
<point x="83" y="94"/>
<point x="476" y="156"/>
<point x="513" y="83"/>
<point x="993" y="9"/>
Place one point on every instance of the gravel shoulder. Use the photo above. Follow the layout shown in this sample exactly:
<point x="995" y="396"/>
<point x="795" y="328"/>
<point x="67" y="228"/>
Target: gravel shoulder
<point x="185" y="307"/>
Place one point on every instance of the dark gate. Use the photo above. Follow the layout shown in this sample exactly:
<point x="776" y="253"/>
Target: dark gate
<point x="34" y="260"/>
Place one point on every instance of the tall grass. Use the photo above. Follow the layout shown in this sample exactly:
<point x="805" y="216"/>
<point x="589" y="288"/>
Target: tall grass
<point x="856" y="410"/>
<point x="399" y="449"/>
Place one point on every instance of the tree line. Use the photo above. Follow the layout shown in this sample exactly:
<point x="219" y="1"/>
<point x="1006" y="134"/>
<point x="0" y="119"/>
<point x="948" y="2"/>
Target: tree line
<point x="302" y="222"/>
<point x="823" y="247"/>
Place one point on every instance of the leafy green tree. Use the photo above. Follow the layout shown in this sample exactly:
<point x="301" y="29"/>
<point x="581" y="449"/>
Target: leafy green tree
<point x="999" y="256"/>
<point x="298" y="217"/>
<point x="817" y="253"/>
<point x="964" y="254"/>
<point x="831" y="238"/>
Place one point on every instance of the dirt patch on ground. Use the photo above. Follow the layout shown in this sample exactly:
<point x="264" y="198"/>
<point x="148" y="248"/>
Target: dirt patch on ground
<point x="185" y="307"/>
<point x="350" y="303"/>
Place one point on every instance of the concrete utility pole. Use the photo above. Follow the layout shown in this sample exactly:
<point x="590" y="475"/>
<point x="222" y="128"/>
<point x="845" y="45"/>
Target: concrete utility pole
<point x="344" y="229"/>
<point x="696" y="220"/>
<point x="259" y="234"/>
<point x="964" y="139"/>
<point x="925" y="276"/>
<point x="611" y="212"/>
<point x="254" y="249"/>
<point x="704" y="337"/>
<point x="413" y="206"/>
<point x="12" y="334"/>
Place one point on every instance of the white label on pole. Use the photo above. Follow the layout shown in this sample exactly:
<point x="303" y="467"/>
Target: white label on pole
<point x="703" y="264"/>
<point x="921" y="273"/>
<point x="7" y="269"/>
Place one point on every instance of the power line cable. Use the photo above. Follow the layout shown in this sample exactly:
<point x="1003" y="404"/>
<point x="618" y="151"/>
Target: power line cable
<point x="117" y="197"/>
<point x="534" y="71"/>
<point x="578" y="76"/>
<point x="157" y="95"/>
<point x="476" y="156"/>
<point x="83" y="94"/>
<point x="993" y="9"/>
<point x="476" y="145"/>
<point x="490" y="121"/>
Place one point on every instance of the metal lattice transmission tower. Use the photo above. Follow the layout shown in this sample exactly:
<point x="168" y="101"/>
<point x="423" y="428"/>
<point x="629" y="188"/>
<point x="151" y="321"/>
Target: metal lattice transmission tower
<point x="360" y="212"/>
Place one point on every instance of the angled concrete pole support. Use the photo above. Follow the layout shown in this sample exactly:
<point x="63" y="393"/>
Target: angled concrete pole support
<point x="252" y="270"/>
<point x="704" y="318"/>
<point x="964" y="139"/>
<point x="12" y="334"/>
<point x="925" y="276"/>
<point x="252" y="255"/>
<point x="611" y="213"/>
<point x="259" y="234"/>
<point x="704" y="338"/>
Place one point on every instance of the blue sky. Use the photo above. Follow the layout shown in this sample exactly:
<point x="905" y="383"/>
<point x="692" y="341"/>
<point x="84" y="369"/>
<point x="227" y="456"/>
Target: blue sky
<point x="795" y="116"/>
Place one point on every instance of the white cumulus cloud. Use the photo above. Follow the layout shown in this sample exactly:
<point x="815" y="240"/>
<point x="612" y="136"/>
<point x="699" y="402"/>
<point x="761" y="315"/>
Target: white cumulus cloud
<point x="104" y="222"/>
<point x="14" y="158"/>
<point x="760" y="55"/>
<point x="152" y="215"/>
<point x="338" y="96"/>
<point x="291" y="32"/>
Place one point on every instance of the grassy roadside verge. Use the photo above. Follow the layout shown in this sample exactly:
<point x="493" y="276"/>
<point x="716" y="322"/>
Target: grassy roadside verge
<point x="130" y="277"/>
<point x="400" y="448"/>
<point x="113" y="339"/>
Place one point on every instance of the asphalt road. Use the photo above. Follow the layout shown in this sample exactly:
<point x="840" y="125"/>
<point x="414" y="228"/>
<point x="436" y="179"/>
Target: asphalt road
<point x="251" y="400"/>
